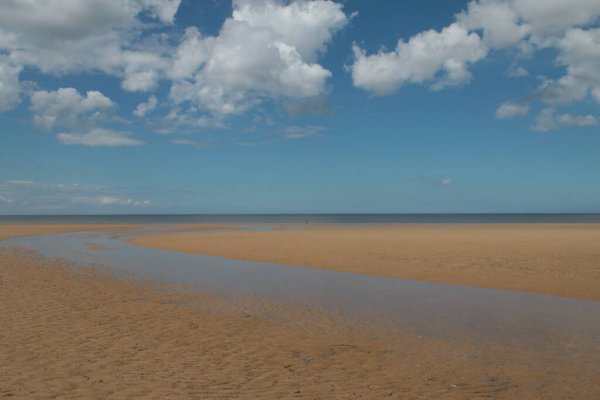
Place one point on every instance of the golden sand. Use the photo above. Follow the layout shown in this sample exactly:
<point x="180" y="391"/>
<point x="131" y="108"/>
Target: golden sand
<point x="81" y="333"/>
<point x="553" y="259"/>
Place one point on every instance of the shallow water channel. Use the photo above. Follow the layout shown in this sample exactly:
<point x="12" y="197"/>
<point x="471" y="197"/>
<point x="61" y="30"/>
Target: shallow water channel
<point x="545" y="323"/>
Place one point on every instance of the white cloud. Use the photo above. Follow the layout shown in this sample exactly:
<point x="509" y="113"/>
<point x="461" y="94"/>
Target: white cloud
<point x="66" y="107"/>
<point x="301" y="132"/>
<point x="112" y="201"/>
<point x="553" y="17"/>
<point x="525" y="24"/>
<point x="499" y="22"/>
<point x="144" y="108"/>
<point x="164" y="10"/>
<point x="446" y="181"/>
<point x="98" y="137"/>
<point x="579" y="52"/>
<point x="511" y="110"/>
<point x="577" y="120"/>
<point x="10" y="88"/>
<point x="420" y="60"/>
<point x="269" y="50"/>
<point x="193" y="52"/>
<point x="60" y="37"/>
<point x="517" y="72"/>
<point x="308" y="26"/>
<point x="24" y="195"/>
<point x="553" y="23"/>
<point x="265" y="50"/>
<point x="4" y="199"/>
<point x="442" y="58"/>
<point x="547" y="120"/>
<point x="141" y="81"/>
<point x="19" y="182"/>
<point x="508" y="22"/>
<point x="565" y="90"/>
<point x="177" y="118"/>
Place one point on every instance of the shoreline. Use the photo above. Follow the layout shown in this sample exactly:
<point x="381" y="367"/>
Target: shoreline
<point x="79" y="332"/>
<point x="74" y="332"/>
<point x="552" y="259"/>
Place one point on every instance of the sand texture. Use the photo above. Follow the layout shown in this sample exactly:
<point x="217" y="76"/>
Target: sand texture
<point x="80" y="333"/>
<point x="561" y="259"/>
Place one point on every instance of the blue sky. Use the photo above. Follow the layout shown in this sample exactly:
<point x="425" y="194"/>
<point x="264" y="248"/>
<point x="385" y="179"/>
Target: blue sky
<point x="160" y="106"/>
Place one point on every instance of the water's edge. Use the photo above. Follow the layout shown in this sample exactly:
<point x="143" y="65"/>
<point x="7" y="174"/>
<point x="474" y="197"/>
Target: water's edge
<point x="429" y="309"/>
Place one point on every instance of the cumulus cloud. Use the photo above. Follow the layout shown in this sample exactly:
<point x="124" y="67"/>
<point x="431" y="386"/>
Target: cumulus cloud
<point x="431" y="56"/>
<point x="483" y="26"/>
<point x="60" y="37"/>
<point x="580" y="54"/>
<point x="548" y="120"/>
<point x="25" y="195"/>
<point x="192" y="52"/>
<point x="164" y="10"/>
<point x="67" y="107"/>
<point x="144" y="108"/>
<point x="10" y="88"/>
<point x="511" y="110"/>
<point x="553" y="17"/>
<point x="270" y="50"/>
<point x="98" y="137"/>
<point x="577" y="120"/>
<point x="441" y="59"/>
<point x="265" y="50"/>
<point x="498" y="20"/>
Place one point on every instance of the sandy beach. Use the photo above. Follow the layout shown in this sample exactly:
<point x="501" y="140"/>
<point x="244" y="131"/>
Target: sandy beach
<point x="556" y="259"/>
<point x="78" y="332"/>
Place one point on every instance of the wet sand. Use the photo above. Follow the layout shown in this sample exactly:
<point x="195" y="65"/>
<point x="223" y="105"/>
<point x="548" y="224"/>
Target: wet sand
<point x="555" y="259"/>
<point x="13" y="230"/>
<point x="80" y="333"/>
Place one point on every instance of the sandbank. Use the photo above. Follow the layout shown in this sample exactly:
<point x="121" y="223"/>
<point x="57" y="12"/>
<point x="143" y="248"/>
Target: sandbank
<point x="555" y="259"/>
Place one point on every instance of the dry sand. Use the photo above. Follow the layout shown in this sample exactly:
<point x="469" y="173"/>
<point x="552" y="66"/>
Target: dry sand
<point x="80" y="333"/>
<point x="561" y="259"/>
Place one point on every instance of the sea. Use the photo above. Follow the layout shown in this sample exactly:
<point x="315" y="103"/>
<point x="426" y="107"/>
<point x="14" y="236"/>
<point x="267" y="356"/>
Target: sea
<point x="303" y="218"/>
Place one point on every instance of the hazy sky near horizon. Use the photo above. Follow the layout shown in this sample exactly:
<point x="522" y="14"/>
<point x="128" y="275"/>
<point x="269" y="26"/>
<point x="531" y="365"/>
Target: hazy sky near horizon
<point x="146" y="106"/>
